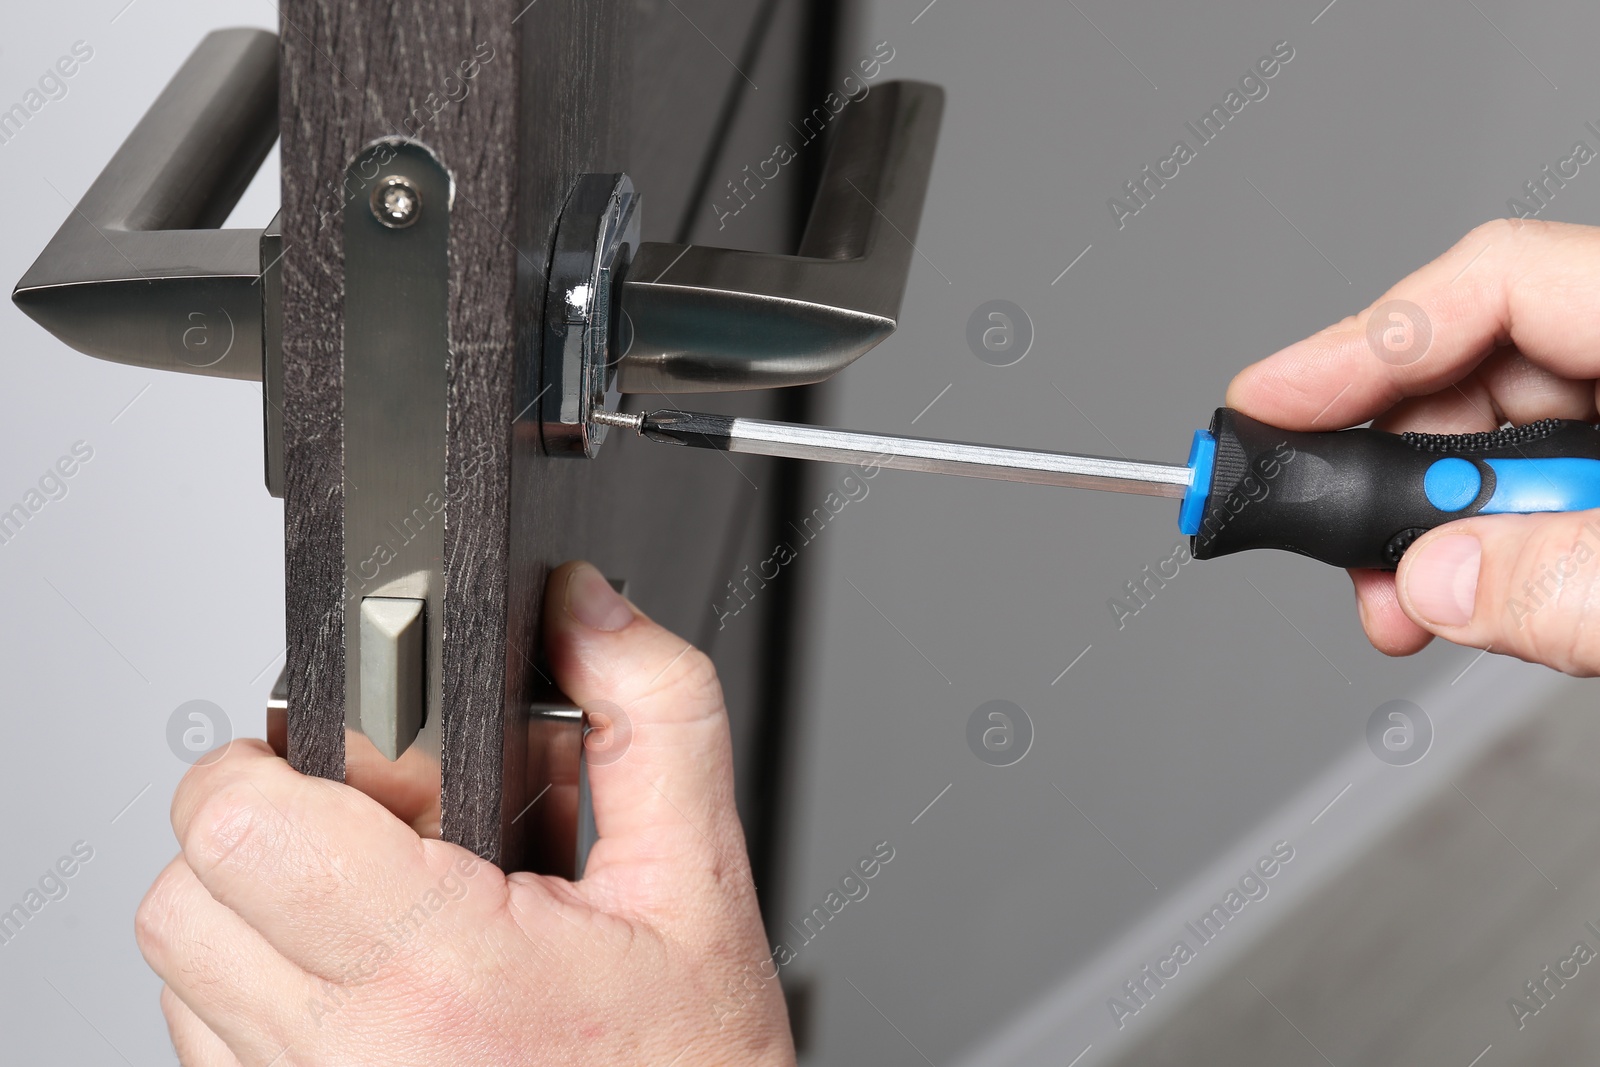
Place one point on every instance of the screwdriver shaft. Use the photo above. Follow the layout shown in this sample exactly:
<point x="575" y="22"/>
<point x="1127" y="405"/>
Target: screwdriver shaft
<point x="789" y="440"/>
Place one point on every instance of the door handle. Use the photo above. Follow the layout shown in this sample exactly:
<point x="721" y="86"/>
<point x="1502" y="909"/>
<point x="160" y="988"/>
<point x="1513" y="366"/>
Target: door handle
<point x="697" y="319"/>
<point x="139" y="273"/>
<point x="628" y="317"/>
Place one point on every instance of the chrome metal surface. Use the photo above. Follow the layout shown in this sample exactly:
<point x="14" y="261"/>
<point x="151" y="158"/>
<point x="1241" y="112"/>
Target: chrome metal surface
<point x="278" y="713"/>
<point x="272" y="353"/>
<point x="396" y="202"/>
<point x="562" y="811"/>
<point x="713" y="319"/>
<point x="760" y="437"/>
<point x="278" y="698"/>
<point x="953" y="457"/>
<point x="595" y="242"/>
<point x="138" y="273"/>
<point x="396" y="360"/>
<point x="621" y="419"/>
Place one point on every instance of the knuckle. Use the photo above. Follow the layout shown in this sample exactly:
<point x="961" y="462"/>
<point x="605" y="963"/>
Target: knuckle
<point x="1523" y="245"/>
<point x="157" y="914"/>
<point x="227" y="827"/>
<point x="197" y="783"/>
<point x="1352" y="325"/>
<point x="1504" y="235"/>
<point x="167" y="928"/>
<point x="173" y="1010"/>
<point x="220" y="767"/>
<point x="1497" y="248"/>
<point x="1497" y="245"/>
<point x="1492" y="231"/>
<point x="202" y="782"/>
<point x="688" y="685"/>
<point x="697" y="689"/>
<point x="697" y="674"/>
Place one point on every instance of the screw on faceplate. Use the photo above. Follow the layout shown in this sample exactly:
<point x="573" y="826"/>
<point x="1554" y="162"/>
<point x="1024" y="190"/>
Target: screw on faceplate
<point x="396" y="202"/>
<point x="624" y="419"/>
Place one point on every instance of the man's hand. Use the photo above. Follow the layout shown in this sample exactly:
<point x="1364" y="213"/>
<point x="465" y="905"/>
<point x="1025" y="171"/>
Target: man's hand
<point x="305" y="924"/>
<point x="1514" y="311"/>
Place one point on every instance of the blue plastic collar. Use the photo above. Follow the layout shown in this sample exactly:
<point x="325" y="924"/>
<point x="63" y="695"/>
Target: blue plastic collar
<point x="1202" y="457"/>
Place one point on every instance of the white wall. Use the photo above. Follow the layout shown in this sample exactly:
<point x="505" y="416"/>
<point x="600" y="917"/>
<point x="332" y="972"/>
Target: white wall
<point x="157" y="579"/>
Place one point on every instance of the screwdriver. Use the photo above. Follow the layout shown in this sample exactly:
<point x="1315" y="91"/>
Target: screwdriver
<point x="1351" y="498"/>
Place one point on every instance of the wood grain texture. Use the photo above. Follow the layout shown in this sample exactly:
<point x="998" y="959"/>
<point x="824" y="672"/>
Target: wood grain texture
<point x="313" y="434"/>
<point x="668" y="524"/>
<point x="354" y="72"/>
<point x="554" y="101"/>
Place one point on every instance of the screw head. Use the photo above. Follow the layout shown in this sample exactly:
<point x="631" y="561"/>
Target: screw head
<point x="396" y="202"/>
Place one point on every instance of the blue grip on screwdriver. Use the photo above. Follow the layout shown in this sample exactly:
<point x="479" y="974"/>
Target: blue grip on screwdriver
<point x="1359" y="498"/>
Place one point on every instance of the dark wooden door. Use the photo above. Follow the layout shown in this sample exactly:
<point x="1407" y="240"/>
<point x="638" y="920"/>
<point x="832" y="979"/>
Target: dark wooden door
<point x="665" y="90"/>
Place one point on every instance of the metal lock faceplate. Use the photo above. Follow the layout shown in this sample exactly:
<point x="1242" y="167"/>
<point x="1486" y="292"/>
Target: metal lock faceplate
<point x="396" y="364"/>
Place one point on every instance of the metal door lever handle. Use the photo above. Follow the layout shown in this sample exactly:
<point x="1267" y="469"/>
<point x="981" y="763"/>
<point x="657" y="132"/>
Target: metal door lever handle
<point x="139" y="273"/>
<point x="713" y="319"/>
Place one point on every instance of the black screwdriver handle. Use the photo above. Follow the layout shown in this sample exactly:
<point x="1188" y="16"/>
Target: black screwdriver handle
<point x="1359" y="498"/>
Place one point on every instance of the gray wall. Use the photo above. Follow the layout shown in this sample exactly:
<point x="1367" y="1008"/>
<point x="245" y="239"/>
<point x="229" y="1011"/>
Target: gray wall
<point x="1392" y="131"/>
<point x="157" y="579"/>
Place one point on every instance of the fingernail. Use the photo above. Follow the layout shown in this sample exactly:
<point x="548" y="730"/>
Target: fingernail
<point x="1442" y="582"/>
<point x="592" y="601"/>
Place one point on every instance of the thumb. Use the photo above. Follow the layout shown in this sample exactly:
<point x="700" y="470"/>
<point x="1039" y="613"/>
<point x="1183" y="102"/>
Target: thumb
<point x="659" y="755"/>
<point x="1523" y="585"/>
